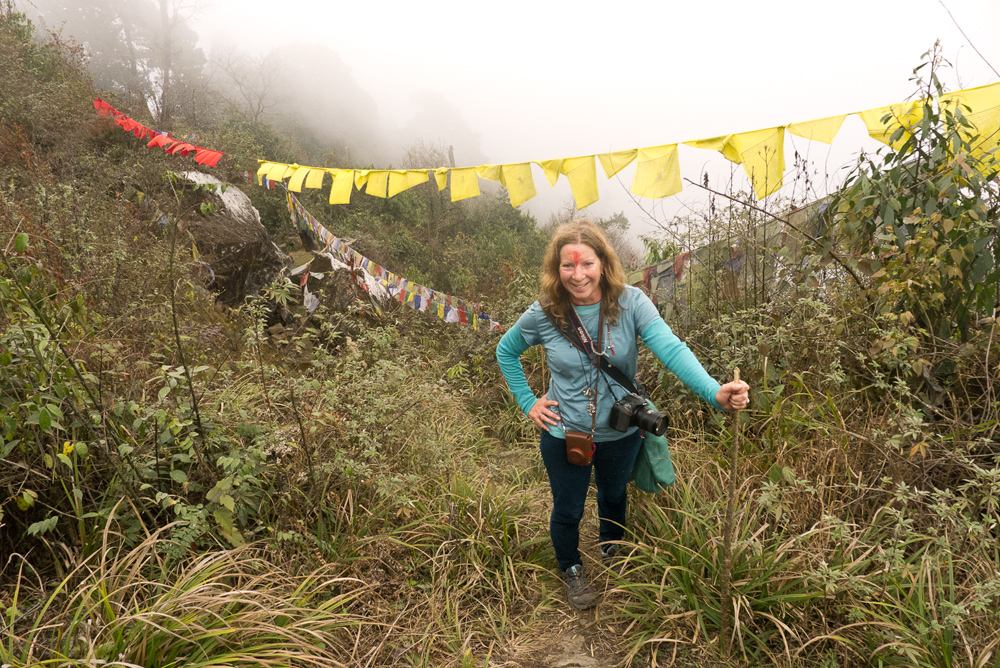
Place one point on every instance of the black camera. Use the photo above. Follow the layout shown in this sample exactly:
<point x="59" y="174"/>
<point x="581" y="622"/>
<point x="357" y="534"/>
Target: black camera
<point x="633" y="411"/>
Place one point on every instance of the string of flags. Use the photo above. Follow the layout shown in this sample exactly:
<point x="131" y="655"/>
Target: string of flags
<point x="157" y="139"/>
<point x="657" y="174"/>
<point x="418" y="297"/>
<point x="404" y="290"/>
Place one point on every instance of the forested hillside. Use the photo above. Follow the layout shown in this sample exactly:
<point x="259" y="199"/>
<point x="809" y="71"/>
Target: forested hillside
<point x="192" y="481"/>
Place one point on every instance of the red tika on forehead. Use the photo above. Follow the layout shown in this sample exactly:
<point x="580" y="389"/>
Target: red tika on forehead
<point x="576" y="257"/>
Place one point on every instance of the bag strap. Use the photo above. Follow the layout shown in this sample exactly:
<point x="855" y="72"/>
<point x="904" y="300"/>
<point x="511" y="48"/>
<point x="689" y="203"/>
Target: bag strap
<point x="616" y="374"/>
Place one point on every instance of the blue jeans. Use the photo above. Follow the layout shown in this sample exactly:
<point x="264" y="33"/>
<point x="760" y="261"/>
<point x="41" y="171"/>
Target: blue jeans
<point x="612" y="465"/>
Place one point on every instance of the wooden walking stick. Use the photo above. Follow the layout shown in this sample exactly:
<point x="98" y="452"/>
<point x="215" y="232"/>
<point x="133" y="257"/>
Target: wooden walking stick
<point x="726" y="597"/>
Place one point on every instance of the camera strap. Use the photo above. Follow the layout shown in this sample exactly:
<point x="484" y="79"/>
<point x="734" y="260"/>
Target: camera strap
<point x="578" y="336"/>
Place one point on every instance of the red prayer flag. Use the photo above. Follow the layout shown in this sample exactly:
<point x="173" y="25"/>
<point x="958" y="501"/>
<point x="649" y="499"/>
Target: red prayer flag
<point x="204" y="156"/>
<point x="160" y="141"/>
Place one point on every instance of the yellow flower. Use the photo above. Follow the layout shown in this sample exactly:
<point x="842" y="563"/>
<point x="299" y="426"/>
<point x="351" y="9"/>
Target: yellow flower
<point x="67" y="448"/>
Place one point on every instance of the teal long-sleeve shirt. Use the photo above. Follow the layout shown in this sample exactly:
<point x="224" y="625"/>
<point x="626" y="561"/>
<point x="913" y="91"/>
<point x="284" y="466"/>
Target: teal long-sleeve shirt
<point x="571" y="375"/>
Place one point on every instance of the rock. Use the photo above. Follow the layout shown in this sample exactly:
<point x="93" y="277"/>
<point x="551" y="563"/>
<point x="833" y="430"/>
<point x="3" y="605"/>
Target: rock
<point x="234" y="246"/>
<point x="337" y="284"/>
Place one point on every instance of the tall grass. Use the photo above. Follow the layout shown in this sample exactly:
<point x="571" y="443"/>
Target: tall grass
<point x="913" y="583"/>
<point x="227" y="607"/>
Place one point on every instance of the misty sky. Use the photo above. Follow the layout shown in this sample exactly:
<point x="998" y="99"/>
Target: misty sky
<point x="541" y="80"/>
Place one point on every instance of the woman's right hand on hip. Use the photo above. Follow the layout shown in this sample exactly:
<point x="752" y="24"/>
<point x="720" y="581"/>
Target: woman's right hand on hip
<point x="541" y="414"/>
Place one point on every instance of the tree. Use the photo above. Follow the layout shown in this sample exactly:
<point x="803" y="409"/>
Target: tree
<point x="143" y="49"/>
<point x="178" y="60"/>
<point x="921" y="220"/>
<point x="248" y="84"/>
<point x="116" y="39"/>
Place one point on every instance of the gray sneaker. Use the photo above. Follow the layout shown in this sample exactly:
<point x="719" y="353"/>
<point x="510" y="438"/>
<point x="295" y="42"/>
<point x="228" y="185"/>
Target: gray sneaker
<point x="579" y="593"/>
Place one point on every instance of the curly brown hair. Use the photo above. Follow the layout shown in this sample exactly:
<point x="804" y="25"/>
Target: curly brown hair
<point x="555" y="297"/>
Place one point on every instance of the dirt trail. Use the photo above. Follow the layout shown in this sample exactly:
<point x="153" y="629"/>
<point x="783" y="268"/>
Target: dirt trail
<point x="568" y="638"/>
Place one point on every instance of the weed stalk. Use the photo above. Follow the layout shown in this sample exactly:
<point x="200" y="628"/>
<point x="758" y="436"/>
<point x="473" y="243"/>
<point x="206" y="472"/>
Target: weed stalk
<point x="726" y="599"/>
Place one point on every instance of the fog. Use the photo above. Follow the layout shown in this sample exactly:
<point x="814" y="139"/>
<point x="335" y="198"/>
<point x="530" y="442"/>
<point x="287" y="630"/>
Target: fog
<point x="518" y="80"/>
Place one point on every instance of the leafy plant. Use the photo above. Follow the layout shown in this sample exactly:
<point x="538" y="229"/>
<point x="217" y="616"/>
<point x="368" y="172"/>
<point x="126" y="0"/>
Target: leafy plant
<point x="920" y="217"/>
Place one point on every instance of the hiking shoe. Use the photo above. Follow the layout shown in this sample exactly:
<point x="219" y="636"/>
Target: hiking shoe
<point x="578" y="592"/>
<point x="610" y="554"/>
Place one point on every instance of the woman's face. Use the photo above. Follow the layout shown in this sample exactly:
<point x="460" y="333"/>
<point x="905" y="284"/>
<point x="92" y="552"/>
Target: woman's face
<point x="580" y="273"/>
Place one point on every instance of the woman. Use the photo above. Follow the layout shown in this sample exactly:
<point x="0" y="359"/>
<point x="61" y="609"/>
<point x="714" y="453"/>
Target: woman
<point x="582" y="274"/>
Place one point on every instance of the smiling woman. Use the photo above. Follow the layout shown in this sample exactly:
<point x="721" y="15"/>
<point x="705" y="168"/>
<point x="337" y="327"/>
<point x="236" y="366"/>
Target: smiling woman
<point x="584" y="290"/>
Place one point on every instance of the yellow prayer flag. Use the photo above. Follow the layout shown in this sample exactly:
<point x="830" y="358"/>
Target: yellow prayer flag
<point x="343" y="184"/>
<point x="616" y="161"/>
<point x="821" y="129"/>
<point x="764" y="149"/>
<point x="397" y="182"/>
<point x="983" y="112"/>
<point x="658" y="172"/>
<point x="464" y="183"/>
<point x="279" y="171"/>
<point x="582" y="175"/>
<point x="414" y="177"/>
<point x="763" y="156"/>
<point x="361" y="178"/>
<point x="552" y="169"/>
<point x="722" y="143"/>
<point x="404" y="179"/>
<point x="520" y="185"/>
<point x="441" y="177"/>
<point x="440" y="310"/>
<point x="264" y="168"/>
<point x="490" y="172"/>
<point x="315" y="178"/>
<point x="295" y="183"/>
<point x="763" y="153"/>
<point x="378" y="180"/>
<point x="906" y="115"/>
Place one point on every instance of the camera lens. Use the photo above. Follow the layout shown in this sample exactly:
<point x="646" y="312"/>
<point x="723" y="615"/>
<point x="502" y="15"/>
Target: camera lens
<point x="653" y="422"/>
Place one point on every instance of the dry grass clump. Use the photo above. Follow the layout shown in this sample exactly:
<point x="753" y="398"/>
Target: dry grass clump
<point x="227" y="607"/>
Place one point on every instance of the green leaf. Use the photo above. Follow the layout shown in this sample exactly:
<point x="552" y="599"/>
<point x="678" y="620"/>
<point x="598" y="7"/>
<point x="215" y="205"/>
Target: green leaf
<point x="43" y="526"/>
<point x="222" y="487"/>
<point x="226" y="528"/>
<point x="8" y="447"/>
<point x="983" y="265"/>
<point x="21" y="242"/>
<point x="44" y="420"/>
<point x="65" y="460"/>
<point x="178" y="476"/>
<point x="26" y="500"/>
<point x="81" y="449"/>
